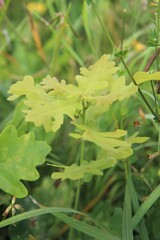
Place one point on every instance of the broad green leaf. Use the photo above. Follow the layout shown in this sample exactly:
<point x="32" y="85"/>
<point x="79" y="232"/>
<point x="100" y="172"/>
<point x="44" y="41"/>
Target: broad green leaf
<point x="75" y="172"/>
<point x="141" y="77"/>
<point x="18" y="161"/>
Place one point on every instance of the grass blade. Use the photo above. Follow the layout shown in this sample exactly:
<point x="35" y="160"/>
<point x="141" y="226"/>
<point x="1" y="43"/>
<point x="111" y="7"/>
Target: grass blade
<point x="86" y="228"/>
<point x="35" y="213"/>
<point x="127" y="230"/>
<point x="135" y="204"/>
<point x="59" y="213"/>
<point x="86" y="24"/>
<point x="142" y="210"/>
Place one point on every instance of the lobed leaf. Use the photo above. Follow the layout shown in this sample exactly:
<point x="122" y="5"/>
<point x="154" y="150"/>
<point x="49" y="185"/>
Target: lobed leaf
<point x="75" y="172"/>
<point x="19" y="158"/>
<point x="48" y="102"/>
<point x="111" y="144"/>
<point x="97" y="77"/>
<point x="100" y="87"/>
<point x="45" y="108"/>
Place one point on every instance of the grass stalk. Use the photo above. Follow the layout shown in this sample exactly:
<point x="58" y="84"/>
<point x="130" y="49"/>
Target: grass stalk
<point x="103" y="26"/>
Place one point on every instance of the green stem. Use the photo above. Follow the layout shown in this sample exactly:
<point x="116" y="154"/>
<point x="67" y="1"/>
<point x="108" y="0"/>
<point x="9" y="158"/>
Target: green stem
<point x="155" y="98"/>
<point x="76" y="204"/>
<point x="156" y="50"/>
<point x="158" y="149"/>
<point x="78" y="189"/>
<point x="113" y="45"/>
<point x="159" y="139"/>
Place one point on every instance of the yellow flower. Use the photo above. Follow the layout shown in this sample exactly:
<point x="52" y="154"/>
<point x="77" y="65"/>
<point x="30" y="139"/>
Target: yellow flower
<point x="36" y="7"/>
<point x="138" y="46"/>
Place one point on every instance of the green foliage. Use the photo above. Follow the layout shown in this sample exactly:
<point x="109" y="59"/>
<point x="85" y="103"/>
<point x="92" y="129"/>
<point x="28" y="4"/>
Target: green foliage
<point x="19" y="158"/>
<point x="56" y="38"/>
<point x="50" y="100"/>
<point x="110" y="141"/>
<point x="97" y="87"/>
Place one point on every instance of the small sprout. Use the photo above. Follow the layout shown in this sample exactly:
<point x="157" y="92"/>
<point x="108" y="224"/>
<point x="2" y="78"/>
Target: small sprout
<point x="12" y="208"/>
<point x="153" y="38"/>
<point x="121" y="54"/>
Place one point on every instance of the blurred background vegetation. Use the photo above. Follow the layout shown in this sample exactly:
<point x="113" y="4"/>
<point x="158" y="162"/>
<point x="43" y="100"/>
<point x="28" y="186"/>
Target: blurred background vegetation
<point x="57" y="37"/>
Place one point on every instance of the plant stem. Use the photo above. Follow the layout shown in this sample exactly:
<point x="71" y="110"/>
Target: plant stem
<point x="155" y="98"/>
<point x="151" y="60"/>
<point x="79" y="181"/>
<point x="78" y="188"/>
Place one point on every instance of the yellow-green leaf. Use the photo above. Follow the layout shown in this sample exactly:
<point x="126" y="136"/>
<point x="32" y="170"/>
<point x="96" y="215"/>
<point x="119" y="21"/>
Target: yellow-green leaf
<point x="21" y="88"/>
<point x="134" y="139"/>
<point x="75" y="172"/>
<point x="141" y="77"/>
<point x="108" y="141"/>
<point x="97" y="77"/>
